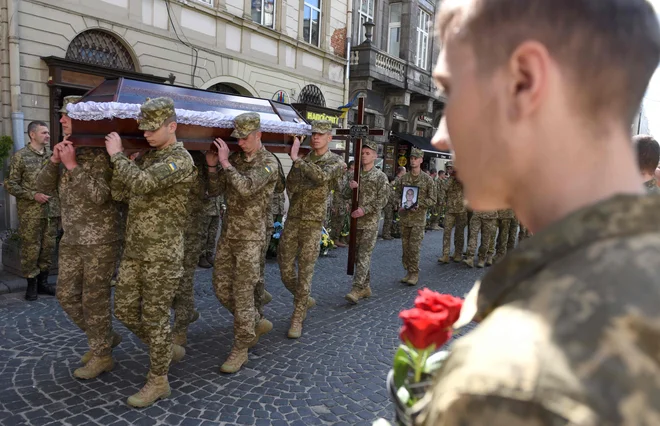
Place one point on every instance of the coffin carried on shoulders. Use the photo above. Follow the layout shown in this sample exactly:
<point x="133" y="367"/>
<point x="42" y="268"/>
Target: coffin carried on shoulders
<point x="202" y="116"/>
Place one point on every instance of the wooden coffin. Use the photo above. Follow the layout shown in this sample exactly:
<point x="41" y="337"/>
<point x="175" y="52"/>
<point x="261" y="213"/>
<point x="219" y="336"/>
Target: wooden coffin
<point x="89" y="130"/>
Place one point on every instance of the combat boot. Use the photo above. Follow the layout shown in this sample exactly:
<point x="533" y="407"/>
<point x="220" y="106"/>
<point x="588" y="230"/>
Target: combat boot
<point x="489" y="261"/>
<point x="414" y="279"/>
<point x="458" y="257"/>
<point x="204" y="263"/>
<point x="211" y="258"/>
<point x="194" y="317"/>
<point x="481" y="263"/>
<point x="387" y="237"/>
<point x="405" y="279"/>
<point x="157" y="387"/>
<point x="180" y="338"/>
<point x="311" y="302"/>
<point x="263" y="326"/>
<point x="95" y="367"/>
<point x="295" y="330"/>
<point x="235" y="361"/>
<point x="357" y="294"/>
<point x="116" y="340"/>
<point x="42" y="284"/>
<point x="267" y="297"/>
<point x="469" y="262"/>
<point x="31" y="293"/>
<point x="178" y="352"/>
<point x="444" y="259"/>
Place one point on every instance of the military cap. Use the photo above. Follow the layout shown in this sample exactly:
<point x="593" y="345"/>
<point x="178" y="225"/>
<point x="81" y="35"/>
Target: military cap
<point x="154" y="112"/>
<point x="246" y="123"/>
<point x="449" y="164"/>
<point x="416" y="152"/>
<point x="69" y="100"/>
<point x="321" y="126"/>
<point x="370" y="144"/>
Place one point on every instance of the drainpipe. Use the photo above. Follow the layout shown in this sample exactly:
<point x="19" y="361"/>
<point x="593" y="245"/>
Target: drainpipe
<point x="17" y="117"/>
<point x="349" y="36"/>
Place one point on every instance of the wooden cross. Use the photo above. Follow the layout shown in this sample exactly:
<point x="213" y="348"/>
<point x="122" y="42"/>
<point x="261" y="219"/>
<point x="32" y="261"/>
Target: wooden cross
<point x="356" y="133"/>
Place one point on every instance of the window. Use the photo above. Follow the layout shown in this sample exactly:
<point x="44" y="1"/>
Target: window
<point x="394" y="33"/>
<point x="312" y="22"/>
<point x="366" y="13"/>
<point x="263" y="12"/>
<point x="423" y="38"/>
<point x="209" y="2"/>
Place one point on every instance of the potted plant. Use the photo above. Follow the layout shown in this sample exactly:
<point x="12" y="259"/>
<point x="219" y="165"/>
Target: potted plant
<point x="426" y="328"/>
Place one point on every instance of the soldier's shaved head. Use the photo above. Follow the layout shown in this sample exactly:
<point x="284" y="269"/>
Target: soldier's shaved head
<point x="609" y="48"/>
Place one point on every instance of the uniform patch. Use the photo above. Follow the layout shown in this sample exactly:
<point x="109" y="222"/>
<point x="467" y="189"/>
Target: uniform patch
<point x="173" y="167"/>
<point x="268" y="169"/>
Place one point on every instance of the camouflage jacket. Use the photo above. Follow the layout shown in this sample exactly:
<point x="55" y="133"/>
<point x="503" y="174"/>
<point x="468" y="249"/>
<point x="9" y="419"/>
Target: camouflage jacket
<point x="277" y="204"/>
<point x="451" y="196"/>
<point x="213" y="205"/>
<point x="21" y="182"/>
<point x="89" y="215"/>
<point x="373" y="195"/>
<point x="426" y="197"/>
<point x="198" y="191"/>
<point x="157" y="194"/>
<point x="505" y="214"/>
<point x="248" y="187"/>
<point x="651" y="186"/>
<point x="569" y="328"/>
<point x="309" y="183"/>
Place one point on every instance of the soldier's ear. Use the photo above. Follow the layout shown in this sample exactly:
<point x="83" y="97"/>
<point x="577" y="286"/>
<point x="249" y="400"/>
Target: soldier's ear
<point x="171" y="127"/>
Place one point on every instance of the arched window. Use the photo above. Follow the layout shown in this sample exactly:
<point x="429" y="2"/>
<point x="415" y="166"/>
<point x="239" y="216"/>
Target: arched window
<point x="311" y="95"/>
<point x="223" y="88"/>
<point x="101" y="48"/>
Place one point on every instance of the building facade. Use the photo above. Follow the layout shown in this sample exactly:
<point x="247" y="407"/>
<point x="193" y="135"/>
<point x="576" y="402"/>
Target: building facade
<point x="391" y="61"/>
<point x="291" y="51"/>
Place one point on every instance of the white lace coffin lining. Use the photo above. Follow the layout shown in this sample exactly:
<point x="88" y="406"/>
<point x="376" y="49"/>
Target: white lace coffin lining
<point x="91" y="111"/>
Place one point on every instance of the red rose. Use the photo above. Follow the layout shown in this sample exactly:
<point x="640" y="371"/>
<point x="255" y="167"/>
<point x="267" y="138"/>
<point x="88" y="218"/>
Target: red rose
<point x="432" y="301"/>
<point x="423" y="328"/>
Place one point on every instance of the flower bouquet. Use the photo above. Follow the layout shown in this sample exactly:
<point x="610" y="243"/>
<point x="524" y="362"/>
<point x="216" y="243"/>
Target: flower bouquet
<point x="326" y="242"/>
<point x="271" y="253"/>
<point x="426" y="327"/>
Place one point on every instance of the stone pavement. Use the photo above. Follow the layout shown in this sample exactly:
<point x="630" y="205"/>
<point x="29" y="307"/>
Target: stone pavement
<point x="335" y="374"/>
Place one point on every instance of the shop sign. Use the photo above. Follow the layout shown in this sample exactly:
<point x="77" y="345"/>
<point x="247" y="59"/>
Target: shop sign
<point x="320" y="116"/>
<point x="425" y="119"/>
<point x="403" y="161"/>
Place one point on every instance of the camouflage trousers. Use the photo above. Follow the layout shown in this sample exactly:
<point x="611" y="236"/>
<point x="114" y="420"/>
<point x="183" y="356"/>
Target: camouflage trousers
<point x="411" y="239"/>
<point x="37" y="244"/>
<point x="524" y="233"/>
<point x="337" y="225"/>
<point x="387" y="221"/>
<point x="143" y="299"/>
<point x="435" y="217"/>
<point x="365" y="243"/>
<point x="300" y="240"/>
<point x="184" y="298"/>
<point x="260" y="289"/>
<point x="503" y="228"/>
<point x="235" y="277"/>
<point x="83" y="290"/>
<point x="459" y="220"/>
<point x="513" y="234"/>
<point x="488" y="228"/>
<point x="210" y="225"/>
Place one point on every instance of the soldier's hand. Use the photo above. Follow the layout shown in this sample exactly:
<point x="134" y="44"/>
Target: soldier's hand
<point x="295" y="148"/>
<point x="212" y="157"/>
<point x="113" y="144"/>
<point x="223" y="152"/>
<point x="68" y="156"/>
<point x="41" y="198"/>
<point x="137" y="154"/>
<point x="353" y="184"/>
<point x="357" y="213"/>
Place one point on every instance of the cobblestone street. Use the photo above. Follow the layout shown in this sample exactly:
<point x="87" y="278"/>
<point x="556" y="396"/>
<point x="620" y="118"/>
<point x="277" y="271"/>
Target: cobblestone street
<point x="335" y="374"/>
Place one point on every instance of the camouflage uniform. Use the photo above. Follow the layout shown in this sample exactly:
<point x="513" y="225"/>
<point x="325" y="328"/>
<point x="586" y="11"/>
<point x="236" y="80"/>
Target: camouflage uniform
<point x="248" y="187"/>
<point x="37" y="226"/>
<point x="486" y="222"/>
<point x="89" y="247"/>
<point x="211" y="219"/>
<point x="524" y="233"/>
<point x="413" y="222"/>
<point x="388" y="210"/>
<point x="434" y="210"/>
<point x="151" y="265"/>
<point x="339" y="211"/>
<point x="651" y="186"/>
<point x="567" y="328"/>
<point x="308" y="185"/>
<point x="504" y="219"/>
<point x="194" y="238"/>
<point x="455" y="214"/>
<point x="373" y="196"/>
<point x="513" y="234"/>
